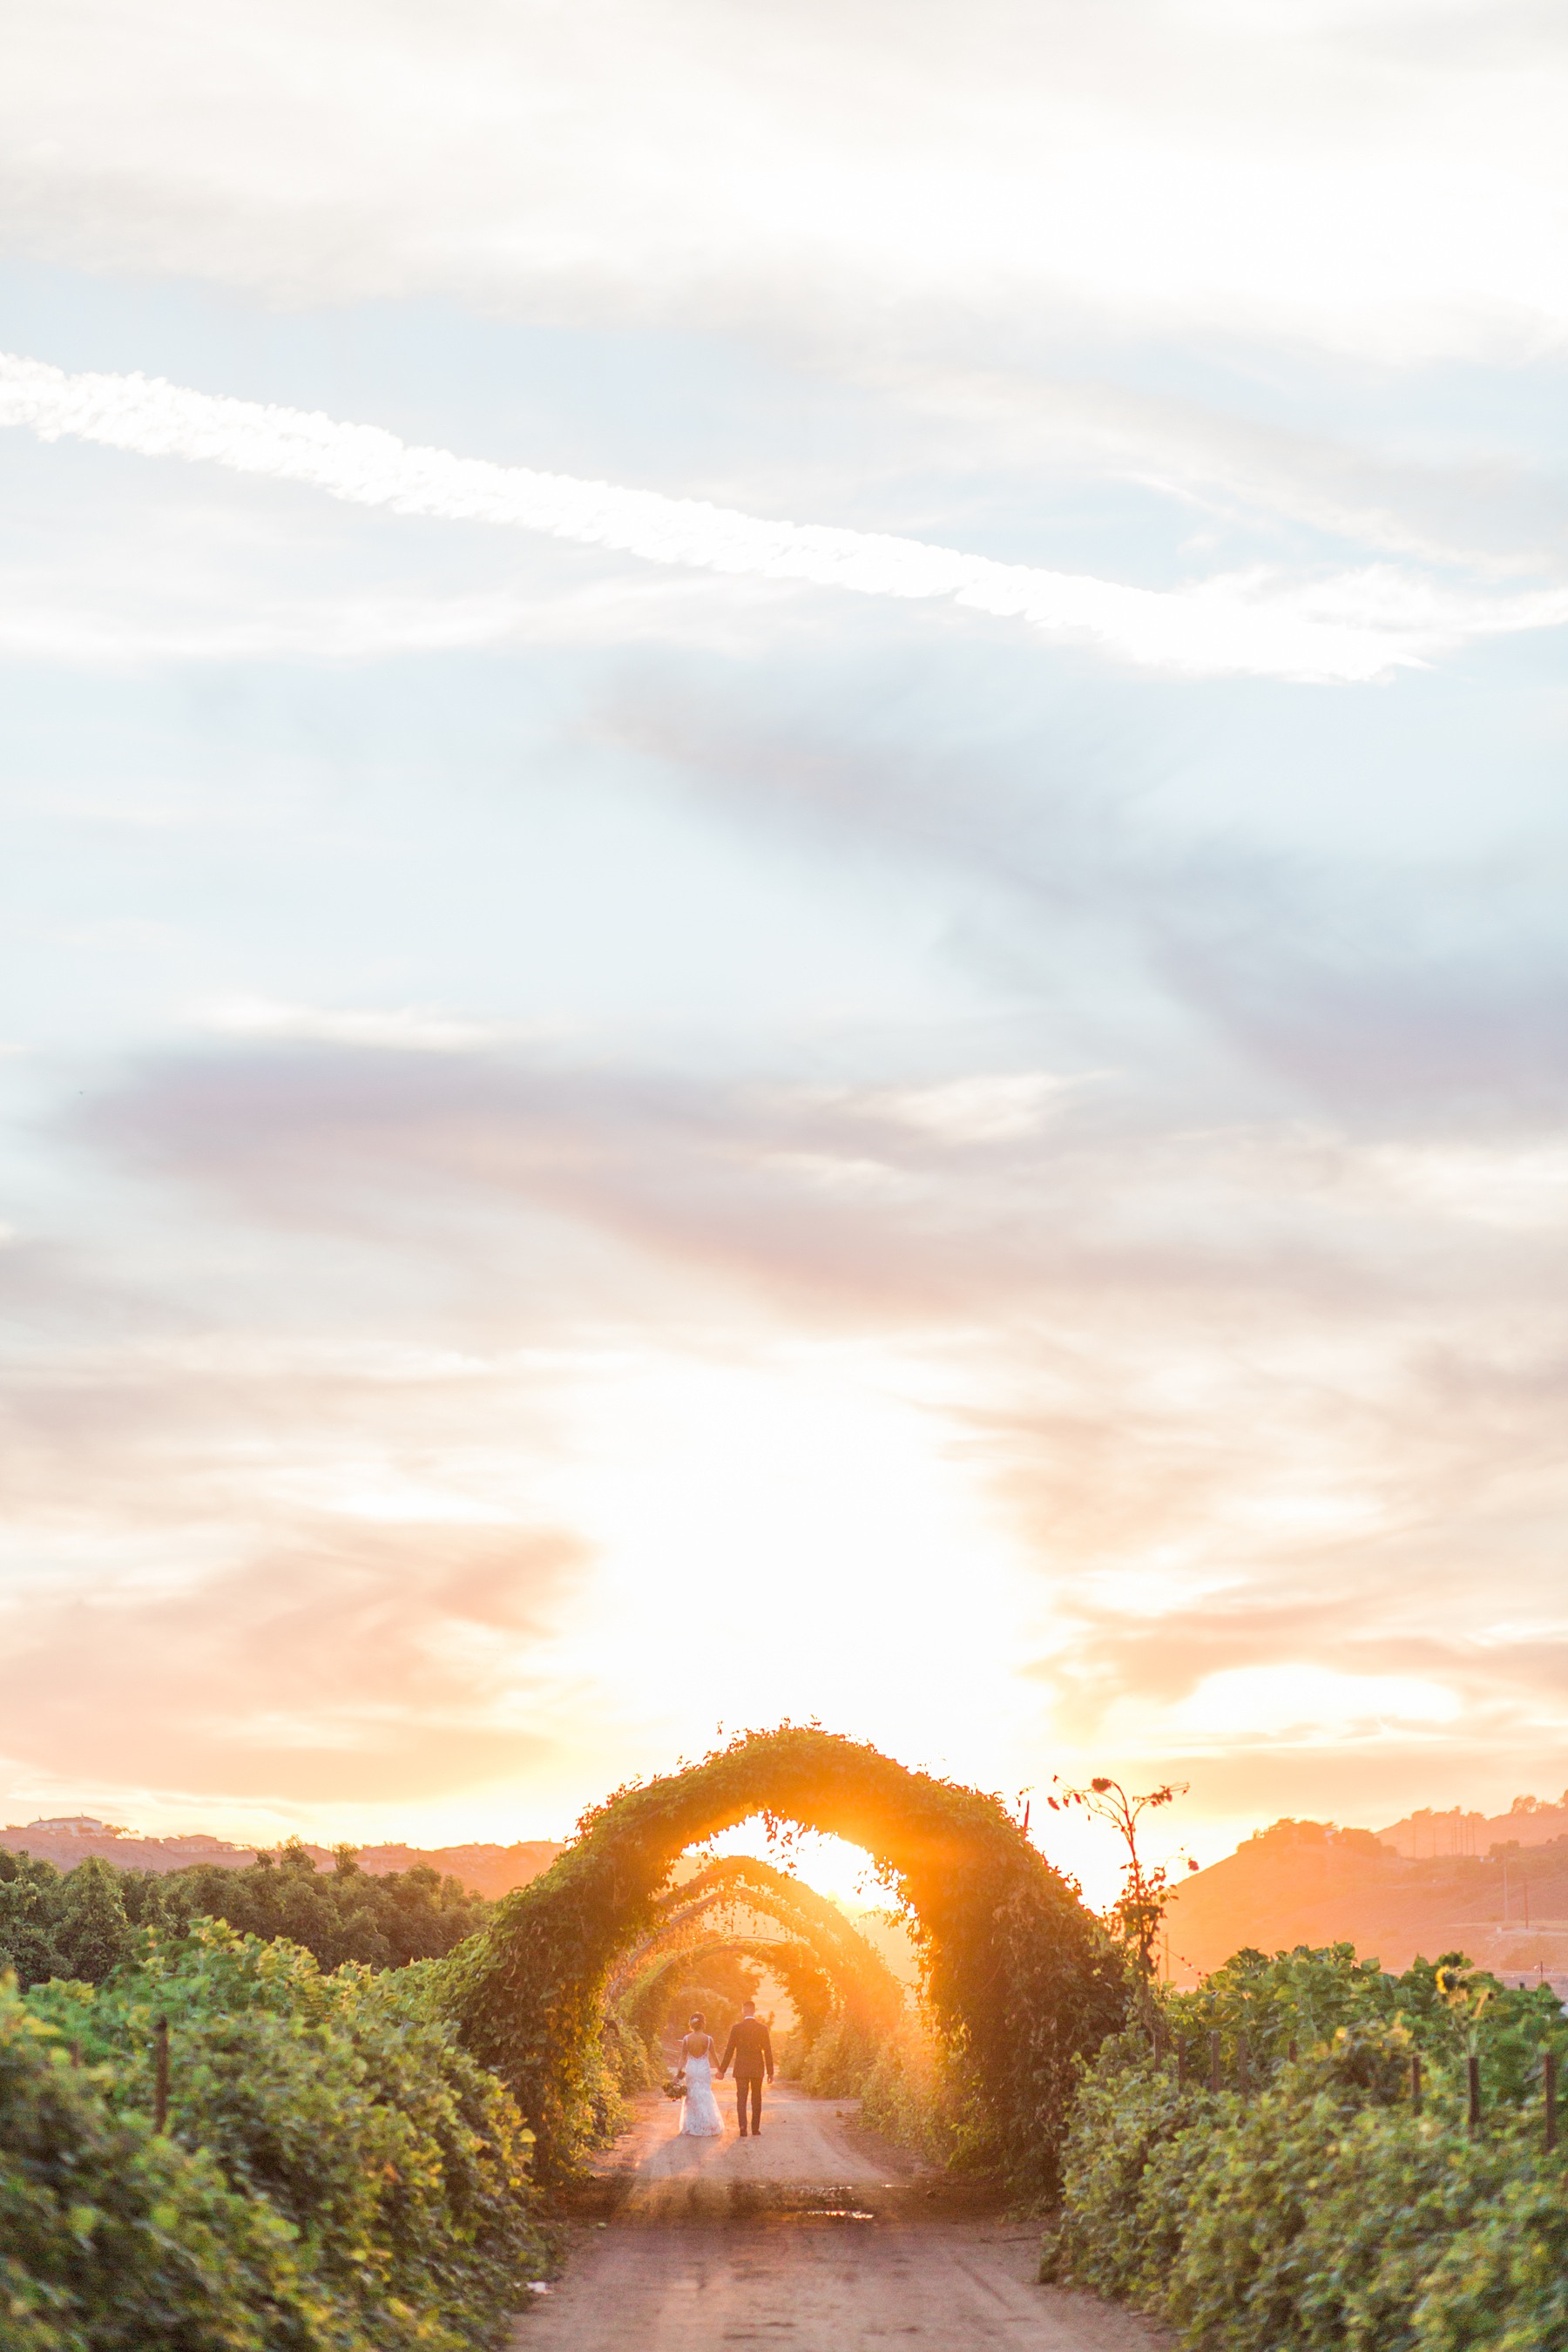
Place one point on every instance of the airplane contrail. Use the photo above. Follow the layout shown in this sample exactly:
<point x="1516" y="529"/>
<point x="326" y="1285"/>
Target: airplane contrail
<point x="1357" y="626"/>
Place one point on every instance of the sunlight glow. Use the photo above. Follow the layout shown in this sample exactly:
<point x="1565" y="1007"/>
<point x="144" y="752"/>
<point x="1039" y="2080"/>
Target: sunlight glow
<point x="831" y="1864"/>
<point x="1312" y="1700"/>
<point x="770" y="1530"/>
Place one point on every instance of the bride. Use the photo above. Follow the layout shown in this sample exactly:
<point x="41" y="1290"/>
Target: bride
<point x="699" y="2117"/>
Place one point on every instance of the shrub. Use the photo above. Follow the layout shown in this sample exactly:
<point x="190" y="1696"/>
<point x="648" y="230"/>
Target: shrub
<point x="912" y="2097"/>
<point x="1325" y="2212"/>
<point x="337" y="2115"/>
<point x="1503" y="2283"/>
<point x="1117" y="2234"/>
<point x="111" y="2238"/>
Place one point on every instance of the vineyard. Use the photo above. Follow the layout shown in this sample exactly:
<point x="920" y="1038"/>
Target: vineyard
<point x="214" y="2139"/>
<point x="220" y="2140"/>
<point x="320" y="2166"/>
<point x="1307" y="2154"/>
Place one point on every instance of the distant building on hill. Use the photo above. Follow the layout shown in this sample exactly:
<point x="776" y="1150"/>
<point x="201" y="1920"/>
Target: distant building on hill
<point x="1504" y="1906"/>
<point x="79" y="1825"/>
<point x="1426" y="1834"/>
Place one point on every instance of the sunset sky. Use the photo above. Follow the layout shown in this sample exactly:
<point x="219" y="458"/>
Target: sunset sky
<point x="784" y="901"/>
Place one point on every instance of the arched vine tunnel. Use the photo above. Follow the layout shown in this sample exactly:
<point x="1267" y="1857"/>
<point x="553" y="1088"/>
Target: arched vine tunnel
<point x="830" y="1972"/>
<point x="807" y="1983"/>
<point x="859" y="1981"/>
<point x="1019" y="1978"/>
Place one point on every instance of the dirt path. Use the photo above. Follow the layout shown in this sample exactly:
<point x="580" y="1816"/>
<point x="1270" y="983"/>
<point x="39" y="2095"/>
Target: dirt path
<point x="803" y="2242"/>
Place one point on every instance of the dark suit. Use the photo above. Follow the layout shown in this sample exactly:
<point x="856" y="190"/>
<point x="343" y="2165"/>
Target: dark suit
<point x="751" y="2045"/>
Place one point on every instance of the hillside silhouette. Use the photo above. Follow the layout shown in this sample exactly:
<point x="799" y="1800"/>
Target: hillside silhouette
<point x="67" y="1839"/>
<point x="1504" y="1902"/>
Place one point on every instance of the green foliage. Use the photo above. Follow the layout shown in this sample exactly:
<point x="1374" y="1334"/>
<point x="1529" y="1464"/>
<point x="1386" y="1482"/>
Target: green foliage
<point x="910" y="2095"/>
<point x="111" y="2238"/>
<point x="92" y="1932"/>
<point x="714" y="1980"/>
<point x="82" y="1924"/>
<point x="344" y="1914"/>
<point x="798" y="1969"/>
<point x="370" y="2173"/>
<point x="841" y="2058"/>
<point x="1503" y="2283"/>
<point x="630" y="2066"/>
<point x="1323" y="2211"/>
<point x="30" y="1905"/>
<point x="1020" y="1981"/>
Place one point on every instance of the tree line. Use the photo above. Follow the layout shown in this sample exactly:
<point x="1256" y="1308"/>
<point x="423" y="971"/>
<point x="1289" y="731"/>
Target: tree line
<point x="83" y="1923"/>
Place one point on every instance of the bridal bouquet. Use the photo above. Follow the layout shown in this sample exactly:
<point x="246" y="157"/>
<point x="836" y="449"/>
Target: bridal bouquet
<point x="674" y="2086"/>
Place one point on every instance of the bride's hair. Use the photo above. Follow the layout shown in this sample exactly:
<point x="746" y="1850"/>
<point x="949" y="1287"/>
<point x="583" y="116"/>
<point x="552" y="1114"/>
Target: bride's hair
<point x="697" y="2018"/>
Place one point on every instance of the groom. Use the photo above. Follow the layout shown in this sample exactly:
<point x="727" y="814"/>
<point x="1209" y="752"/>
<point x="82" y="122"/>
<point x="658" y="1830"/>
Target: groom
<point x="751" y="2045"/>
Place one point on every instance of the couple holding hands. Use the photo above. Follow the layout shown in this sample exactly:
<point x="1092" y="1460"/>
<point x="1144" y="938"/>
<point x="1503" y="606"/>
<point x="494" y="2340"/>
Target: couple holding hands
<point x="751" y="2047"/>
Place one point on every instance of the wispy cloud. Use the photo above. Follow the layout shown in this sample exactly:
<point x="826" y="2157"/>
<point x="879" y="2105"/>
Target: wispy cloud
<point x="1353" y="627"/>
<point x="339" y="1659"/>
<point x="1494" y="512"/>
<point x="407" y="1029"/>
<point x="1384" y="180"/>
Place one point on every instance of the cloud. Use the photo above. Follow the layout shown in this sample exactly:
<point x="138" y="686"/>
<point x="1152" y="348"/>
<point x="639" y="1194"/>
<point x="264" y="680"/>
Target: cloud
<point x="1288" y="1698"/>
<point x="784" y="1187"/>
<point x="1358" y="625"/>
<point x="949" y="1201"/>
<point x="338" y="1663"/>
<point x="981" y="1196"/>
<point x="407" y="1029"/>
<point x="1379" y="990"/>
<point x="1238" y="1400"/>
<point x="849" y="172"/>
<point x="980" y="1109"/>
<point x="90" y="631"/>
<point x="1494" y="509"/>
<point x="1377" y="1642"/>
<point x="1384" y="1027"/>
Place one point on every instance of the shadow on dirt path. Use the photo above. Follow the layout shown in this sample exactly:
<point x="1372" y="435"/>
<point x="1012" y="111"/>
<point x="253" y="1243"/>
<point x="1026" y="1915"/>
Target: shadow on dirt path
<point x="807" y="2239"/>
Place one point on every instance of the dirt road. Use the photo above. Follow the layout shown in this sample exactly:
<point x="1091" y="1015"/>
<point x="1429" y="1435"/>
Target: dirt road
<point x="803" y="2242"/>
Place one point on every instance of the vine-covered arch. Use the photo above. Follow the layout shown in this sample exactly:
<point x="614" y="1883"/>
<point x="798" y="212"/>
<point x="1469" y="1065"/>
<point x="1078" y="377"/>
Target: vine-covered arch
<point x="1019" y="1978"/>
<point x="796" y="1966"/>
<point x="861" y="1981"/>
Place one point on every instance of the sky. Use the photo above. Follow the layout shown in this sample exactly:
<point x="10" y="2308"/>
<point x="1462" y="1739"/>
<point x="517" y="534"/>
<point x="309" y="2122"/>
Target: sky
<point x="784" y="902"/>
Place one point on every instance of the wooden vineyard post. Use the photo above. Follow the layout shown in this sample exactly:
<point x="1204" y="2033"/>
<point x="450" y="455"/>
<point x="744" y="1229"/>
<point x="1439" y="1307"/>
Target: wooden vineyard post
<point x="1473" y="2069"/>
<point x="1549" y="2093"/>
<point x="1291" y="2051"/>
<point x="1214" y="2061"/>
<point x="161" y="2074"/>
<point x="1416" y="2081"/>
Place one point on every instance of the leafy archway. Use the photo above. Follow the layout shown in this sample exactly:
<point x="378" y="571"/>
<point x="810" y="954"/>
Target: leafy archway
<point x="834" y="1976"/>
<point x="800" y="1972"/>
<point x="1019" y="1978"/>
<point x="860" y="1980"/>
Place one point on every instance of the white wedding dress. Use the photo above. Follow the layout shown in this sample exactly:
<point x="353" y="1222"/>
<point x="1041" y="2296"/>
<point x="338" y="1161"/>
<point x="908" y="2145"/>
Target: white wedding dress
<point x="699" y="2117"/>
